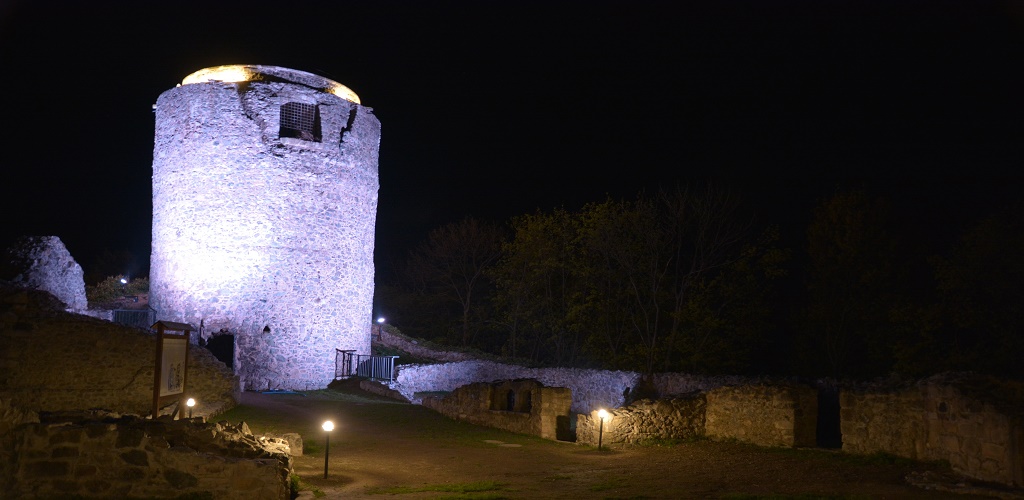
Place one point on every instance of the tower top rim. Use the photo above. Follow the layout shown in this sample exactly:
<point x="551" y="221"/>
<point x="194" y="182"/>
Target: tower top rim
<point x="232" y="73"/>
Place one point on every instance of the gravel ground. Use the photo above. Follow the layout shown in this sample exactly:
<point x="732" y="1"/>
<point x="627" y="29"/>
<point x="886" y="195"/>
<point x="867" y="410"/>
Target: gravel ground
<point x="385" y="449"/>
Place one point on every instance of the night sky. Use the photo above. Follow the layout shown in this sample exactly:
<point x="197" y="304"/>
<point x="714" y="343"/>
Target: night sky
<point x="494" y="109"/>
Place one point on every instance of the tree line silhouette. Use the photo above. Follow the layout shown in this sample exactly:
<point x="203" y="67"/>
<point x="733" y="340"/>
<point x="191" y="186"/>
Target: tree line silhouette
<point x="687" y="280"/>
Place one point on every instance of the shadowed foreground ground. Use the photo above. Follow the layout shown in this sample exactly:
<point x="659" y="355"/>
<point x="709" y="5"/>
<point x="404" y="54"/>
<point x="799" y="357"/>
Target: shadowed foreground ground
<point x="383" y="449"/>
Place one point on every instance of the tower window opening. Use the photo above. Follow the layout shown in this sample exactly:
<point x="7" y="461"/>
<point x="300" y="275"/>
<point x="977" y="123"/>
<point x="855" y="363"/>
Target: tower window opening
<point x="301" y="121"/>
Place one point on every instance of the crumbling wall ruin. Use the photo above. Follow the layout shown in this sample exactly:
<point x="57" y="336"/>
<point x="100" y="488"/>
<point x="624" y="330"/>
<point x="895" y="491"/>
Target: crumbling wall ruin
<point x="523" y="406"/>
<point x="44" y="263"/>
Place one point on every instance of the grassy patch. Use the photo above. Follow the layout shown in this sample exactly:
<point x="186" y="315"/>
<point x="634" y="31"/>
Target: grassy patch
<point x="461" y="488"/>
<point x="848" y="458"/>
<point x="667" y="442"/>
<point x="794" y="497"/>
<point x="609" y="484"/>
<point x="297" y="484"/>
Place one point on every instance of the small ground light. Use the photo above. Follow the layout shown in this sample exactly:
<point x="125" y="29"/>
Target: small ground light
<point x="328" y="427"/>
<point x="601" y="415"/>
<point x="190" y="403"/>
<point x="380" y="320"/>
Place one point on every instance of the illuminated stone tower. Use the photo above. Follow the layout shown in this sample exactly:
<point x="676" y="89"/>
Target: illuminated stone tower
<point x="264" y="204"/>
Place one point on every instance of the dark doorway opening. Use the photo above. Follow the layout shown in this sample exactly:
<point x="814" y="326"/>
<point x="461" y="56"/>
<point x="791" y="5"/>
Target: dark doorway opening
<point x="829" y="432"/>
<point x="223" y="348"/>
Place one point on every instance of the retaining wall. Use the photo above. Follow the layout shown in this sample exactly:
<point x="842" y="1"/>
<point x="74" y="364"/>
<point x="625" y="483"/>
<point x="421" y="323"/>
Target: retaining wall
<point x="52" y="360"/>
<point x="130" y="457"/>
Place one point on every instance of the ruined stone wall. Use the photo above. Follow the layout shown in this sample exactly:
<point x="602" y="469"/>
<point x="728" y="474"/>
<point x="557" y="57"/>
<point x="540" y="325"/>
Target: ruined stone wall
<point x="53" y="360"/>
<point x="263" y="236"/>
<point x="44" y="263"/>
<point x="783" y="415"/>
<point x="975" y="423"/>
<point x="590" y="388"/>
<point x="137" y="458"/>
<point x="523" y="406"/>
<point x="645" y="421"/>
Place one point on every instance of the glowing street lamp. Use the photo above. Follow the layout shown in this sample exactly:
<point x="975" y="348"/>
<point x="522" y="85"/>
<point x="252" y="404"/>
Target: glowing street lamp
<point x="190" y="403"/>
<point x="601" y="415"/>
<point x="328" y="427"/>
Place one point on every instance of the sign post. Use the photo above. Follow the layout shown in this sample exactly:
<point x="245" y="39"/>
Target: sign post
<point x="170" y="373"/>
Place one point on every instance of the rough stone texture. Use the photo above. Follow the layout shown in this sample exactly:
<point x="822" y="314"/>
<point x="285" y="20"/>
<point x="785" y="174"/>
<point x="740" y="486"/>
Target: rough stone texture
<point x="44" y="263"/>
<point x="975" y="423"/>
<point x="645" y="421"/>
<point x="783" y="415"/>
<point x="52" y="360"/>
<point x="412" y="346"/>
<point x="264" y="237"/>
<point x="591" y="389"/>
<point x="523" y="406"/>
<point x="381" y="390"/>
<point x="100" y="455"/>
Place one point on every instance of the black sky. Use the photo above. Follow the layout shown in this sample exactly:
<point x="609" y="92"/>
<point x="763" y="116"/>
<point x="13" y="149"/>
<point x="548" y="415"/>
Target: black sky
<point x="493" y="109"/>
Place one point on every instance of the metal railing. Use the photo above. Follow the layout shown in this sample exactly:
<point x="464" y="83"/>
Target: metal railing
<point x="348" y="364"/>
<point x="142" y="318"/>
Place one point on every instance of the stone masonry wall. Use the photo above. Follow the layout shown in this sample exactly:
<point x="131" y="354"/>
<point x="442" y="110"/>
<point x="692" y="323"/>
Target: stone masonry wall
<point x="591" y="389"/>
<point x="767" y="415"/>
<point x="645" y="421"/>
<point x="266" y="237"/>
<point x="535" y="409"/>
<point x="52" y="360"/>
<point x="128" y="457"/>
<point x="975" y="423"/>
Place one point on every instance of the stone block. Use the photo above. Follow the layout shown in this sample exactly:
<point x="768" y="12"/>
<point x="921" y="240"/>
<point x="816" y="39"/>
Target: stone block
<point x="64" y="452"/>
<point x="45" y="469"/>
<point x="136" y="457"/>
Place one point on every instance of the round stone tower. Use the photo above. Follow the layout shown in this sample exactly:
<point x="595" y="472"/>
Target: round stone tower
<point x="264" y="203"/>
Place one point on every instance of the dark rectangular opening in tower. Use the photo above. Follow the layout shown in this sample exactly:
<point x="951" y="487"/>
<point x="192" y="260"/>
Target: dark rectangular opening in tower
<point x="301" y="121"/>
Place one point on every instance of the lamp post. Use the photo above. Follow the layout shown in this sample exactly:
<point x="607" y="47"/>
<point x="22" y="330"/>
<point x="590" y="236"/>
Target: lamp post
<point x="190" y="403"/>
<point x="328" y="427"/>
<point x="601" y="415"/>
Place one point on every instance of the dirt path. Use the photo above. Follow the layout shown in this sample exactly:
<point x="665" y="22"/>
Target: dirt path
<point x="380" y="445"/>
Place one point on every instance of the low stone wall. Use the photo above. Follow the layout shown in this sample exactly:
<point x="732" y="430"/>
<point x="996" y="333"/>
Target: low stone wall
<point x="52" y="360"/>
<point x="589" y="387"/>
<point x="784" y="415"/>
<point x="975" y="423"/>
<point x="95" y="456"/>
<point x="645" y="421"/>
<point x="382" y="336"/>
<point x="380" y="389"/>
<point x="523" y="406"/>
